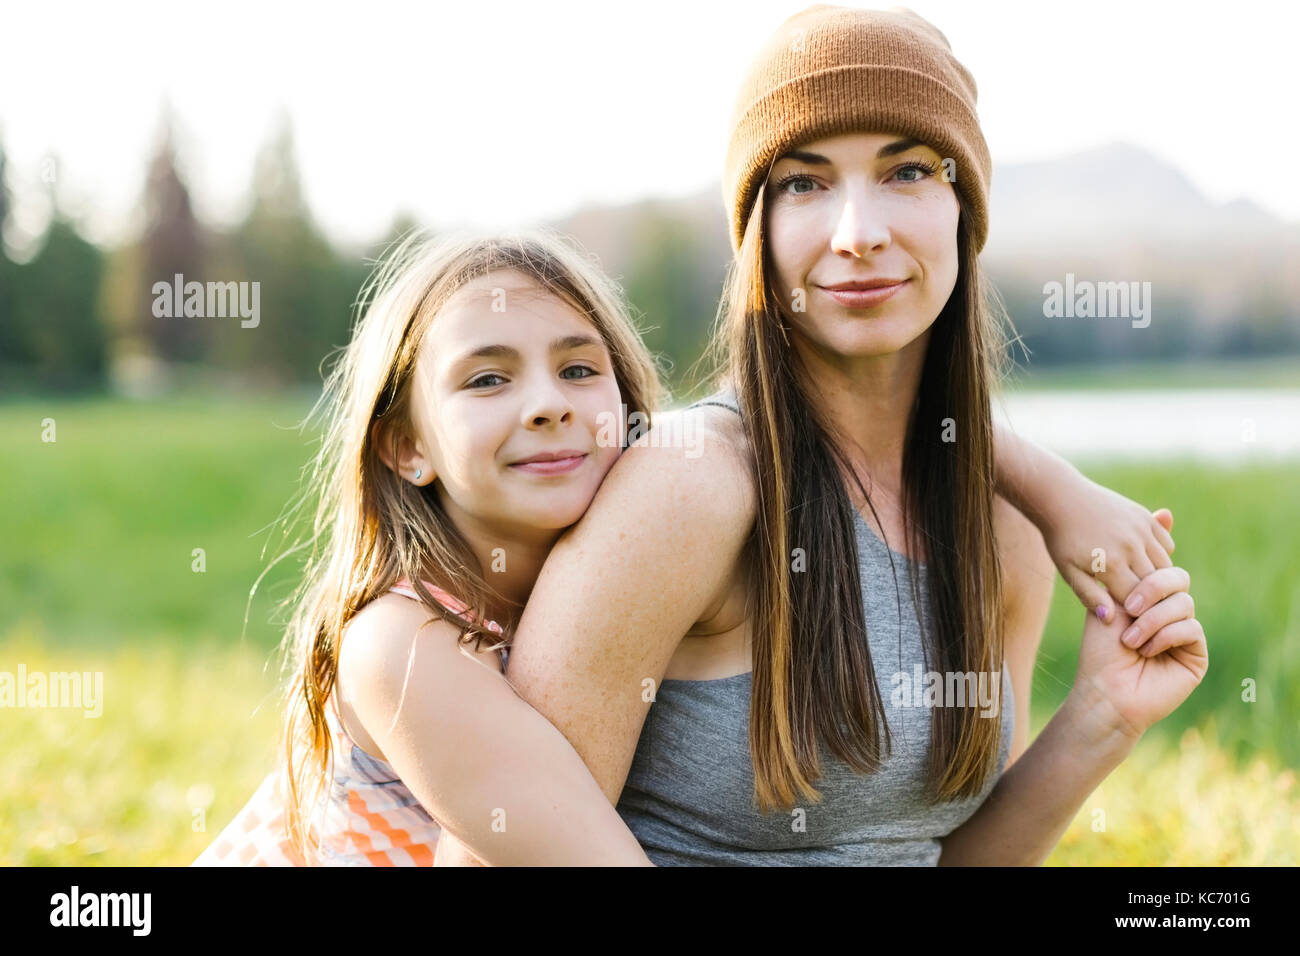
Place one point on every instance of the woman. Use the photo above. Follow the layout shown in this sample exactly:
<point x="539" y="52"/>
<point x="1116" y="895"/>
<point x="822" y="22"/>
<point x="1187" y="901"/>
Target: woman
<point x="753" y="597"/>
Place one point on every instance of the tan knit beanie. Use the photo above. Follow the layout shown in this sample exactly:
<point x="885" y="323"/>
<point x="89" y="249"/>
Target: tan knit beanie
<point x="833" y="70"/>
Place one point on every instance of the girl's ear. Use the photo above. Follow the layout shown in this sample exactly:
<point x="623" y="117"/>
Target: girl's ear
<point x="407" y="462"/>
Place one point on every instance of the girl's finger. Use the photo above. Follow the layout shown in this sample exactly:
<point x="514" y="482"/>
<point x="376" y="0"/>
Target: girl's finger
<point x="1186" y="631"/>
<point x="1121" y="582"/>
<point x="1162" y="533"/>
<point x="1158" y="555"/>
<point x="1177" y="607"/>
<point x="1141" y="564"/>
<point x="1090" y="591"/>
<point x="1155" y="587"/>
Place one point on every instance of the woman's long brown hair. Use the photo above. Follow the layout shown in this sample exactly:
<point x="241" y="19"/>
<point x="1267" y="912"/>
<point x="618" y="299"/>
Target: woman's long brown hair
<point x="371" y="526"/>
<point x="813" y="677"/>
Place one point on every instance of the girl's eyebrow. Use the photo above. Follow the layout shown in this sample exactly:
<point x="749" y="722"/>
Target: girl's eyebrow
<point x="565" y="343"/>
<point x="890" y="149"/>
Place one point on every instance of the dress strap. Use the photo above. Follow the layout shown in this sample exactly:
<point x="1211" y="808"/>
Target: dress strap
<point x="403" y="587"/>
<point x="444" y="598"/>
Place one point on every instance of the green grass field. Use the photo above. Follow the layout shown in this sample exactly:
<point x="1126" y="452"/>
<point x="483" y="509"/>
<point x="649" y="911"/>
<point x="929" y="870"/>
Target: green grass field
<point x="1279" y="372"/>
<point x="97" y="574"/>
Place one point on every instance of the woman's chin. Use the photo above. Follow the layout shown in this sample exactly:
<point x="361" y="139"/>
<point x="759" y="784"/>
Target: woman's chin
<point x="866" y="335"/>
<point x="875" y="338"/>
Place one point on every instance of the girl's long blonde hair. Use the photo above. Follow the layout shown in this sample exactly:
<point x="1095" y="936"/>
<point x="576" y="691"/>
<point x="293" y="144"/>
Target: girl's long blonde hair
<point x="372" y="527"/>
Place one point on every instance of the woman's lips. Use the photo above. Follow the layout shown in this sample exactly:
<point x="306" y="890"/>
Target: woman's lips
<point x="864" y="298"/>
<point x="560" y="466"/>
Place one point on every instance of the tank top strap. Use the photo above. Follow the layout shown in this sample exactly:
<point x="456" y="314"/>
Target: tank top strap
<point x="723" y="398"/>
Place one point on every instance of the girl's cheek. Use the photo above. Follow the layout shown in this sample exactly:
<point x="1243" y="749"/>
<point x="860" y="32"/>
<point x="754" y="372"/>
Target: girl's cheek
<point x="613" y="453"/>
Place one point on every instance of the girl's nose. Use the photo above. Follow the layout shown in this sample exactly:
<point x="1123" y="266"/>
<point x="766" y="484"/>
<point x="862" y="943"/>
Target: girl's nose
<point x="546" y="404"/>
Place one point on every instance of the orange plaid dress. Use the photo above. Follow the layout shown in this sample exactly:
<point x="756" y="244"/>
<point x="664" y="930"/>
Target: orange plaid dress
<point x="369" y="817"/>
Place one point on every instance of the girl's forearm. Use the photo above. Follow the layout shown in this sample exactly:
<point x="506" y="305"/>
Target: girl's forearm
<point x="451" y="852"/>
<point x="1029" y="476"/>
<point x="1035" y="800"/>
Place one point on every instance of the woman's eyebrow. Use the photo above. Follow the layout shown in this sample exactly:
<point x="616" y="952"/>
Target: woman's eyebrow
<point x="565" y="343"/>
<point x="890" y="149"/>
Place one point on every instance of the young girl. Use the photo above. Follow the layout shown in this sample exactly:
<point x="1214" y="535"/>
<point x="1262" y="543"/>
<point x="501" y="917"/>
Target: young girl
<point x="471" y="420"/>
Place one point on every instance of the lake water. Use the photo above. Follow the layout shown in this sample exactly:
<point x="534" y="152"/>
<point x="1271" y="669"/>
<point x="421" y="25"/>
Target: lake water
<point x="1212" y="424"/>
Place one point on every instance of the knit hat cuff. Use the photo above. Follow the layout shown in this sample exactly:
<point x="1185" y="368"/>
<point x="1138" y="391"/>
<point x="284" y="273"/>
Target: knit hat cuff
<point x="858" y="98"/>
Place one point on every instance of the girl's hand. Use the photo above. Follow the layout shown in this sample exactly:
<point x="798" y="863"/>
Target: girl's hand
<point x="1102" y="542"/>
<point x="1135" y="686"/>
<point x="451" y="852"/>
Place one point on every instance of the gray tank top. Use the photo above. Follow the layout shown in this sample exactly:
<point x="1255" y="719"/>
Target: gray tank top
<point x="689" y="796"/>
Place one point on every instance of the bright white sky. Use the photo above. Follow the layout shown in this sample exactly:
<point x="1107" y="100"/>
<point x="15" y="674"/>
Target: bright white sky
<point x="495" y="113"/>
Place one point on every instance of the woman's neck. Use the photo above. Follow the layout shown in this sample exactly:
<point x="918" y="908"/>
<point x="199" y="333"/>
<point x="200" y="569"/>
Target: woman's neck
<point x="869" y="401"/>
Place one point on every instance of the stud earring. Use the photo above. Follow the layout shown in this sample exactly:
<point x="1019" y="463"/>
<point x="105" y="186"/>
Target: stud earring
<point x="418" y="473"/>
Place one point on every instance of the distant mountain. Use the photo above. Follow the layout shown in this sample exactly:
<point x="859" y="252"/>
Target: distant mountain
<point x="1116" y="195"/>
<point x="616" y="234"/>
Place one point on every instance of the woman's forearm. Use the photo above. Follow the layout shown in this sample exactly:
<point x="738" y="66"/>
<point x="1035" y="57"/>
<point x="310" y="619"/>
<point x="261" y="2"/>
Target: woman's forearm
<point x="1037" y="797"/>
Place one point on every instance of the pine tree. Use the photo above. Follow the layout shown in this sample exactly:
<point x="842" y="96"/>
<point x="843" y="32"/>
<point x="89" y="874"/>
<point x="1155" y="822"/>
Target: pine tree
<point x="173" y="243"/>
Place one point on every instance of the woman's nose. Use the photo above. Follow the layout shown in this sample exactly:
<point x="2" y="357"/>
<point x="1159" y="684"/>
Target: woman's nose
<point x="860" y="226"/>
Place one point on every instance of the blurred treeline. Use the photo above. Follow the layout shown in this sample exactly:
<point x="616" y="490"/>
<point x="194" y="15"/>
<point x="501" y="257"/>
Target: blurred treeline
<point x="75" y="313"/>
<point x="78" y="317"/>
<point x="75" y="316"/>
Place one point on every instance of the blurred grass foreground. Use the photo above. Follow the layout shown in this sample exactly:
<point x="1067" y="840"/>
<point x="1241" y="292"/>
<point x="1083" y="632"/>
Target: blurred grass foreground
<point x="100" y="572"/>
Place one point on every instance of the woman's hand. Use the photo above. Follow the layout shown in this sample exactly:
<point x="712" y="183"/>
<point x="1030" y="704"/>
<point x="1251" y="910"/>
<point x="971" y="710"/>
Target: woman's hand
<point x="1132" y="687"/>
<point x="1102" y="542"/>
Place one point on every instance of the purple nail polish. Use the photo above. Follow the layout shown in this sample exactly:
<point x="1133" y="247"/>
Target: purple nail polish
<point x="1101" y="613"/>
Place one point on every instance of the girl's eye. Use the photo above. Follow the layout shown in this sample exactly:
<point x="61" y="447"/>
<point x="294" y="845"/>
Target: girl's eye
<point x="476" y="382"/>
<point x="581" y="368"/>
<point x="929" y="169"/>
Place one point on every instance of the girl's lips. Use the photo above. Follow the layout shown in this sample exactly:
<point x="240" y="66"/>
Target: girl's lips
<point x="560" y="466"/>
<point x="864" y="298"/>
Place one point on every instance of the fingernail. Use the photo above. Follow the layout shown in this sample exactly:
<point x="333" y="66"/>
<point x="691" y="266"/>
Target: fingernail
<point x="1131" y="636"/>
<point x="1101" y="612"/>
<point x="1133" y="604"/>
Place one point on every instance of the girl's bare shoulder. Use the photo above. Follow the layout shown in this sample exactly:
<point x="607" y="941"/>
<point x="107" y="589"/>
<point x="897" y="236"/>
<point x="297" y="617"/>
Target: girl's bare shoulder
<point x="382" y="635"/>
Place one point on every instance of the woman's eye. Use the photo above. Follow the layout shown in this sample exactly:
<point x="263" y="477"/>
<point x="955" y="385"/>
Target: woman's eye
<point x="477" y="383"/>
<point x="922" y="170"/>
<point x="581" y="368"/>
<point x="796" y="178"/>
